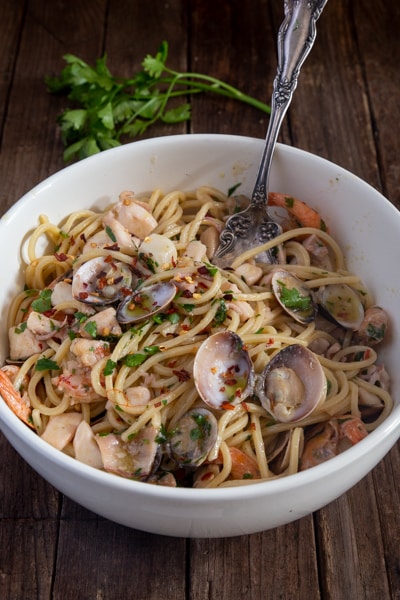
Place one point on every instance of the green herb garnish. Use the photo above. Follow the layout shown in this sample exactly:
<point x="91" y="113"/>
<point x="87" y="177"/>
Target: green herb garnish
<point x="43" y="303"/>
<point x="46" y="364"/>
<point x="203" y="428"/>
<point x="220" y="315"/>
<point x="109" y="367"/>
<point x="106" y="108"/>
<point x="291" y="298"/>
<point x="134" y="360"/>
<point x="91" y="328"/>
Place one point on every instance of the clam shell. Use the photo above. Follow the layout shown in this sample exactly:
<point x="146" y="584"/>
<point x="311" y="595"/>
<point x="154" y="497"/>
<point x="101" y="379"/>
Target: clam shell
<point x="292" y="384"/>
<point x="223" y="371"/>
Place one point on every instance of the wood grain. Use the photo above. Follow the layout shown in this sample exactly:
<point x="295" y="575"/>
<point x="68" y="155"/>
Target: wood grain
<point x="347" y="109"/>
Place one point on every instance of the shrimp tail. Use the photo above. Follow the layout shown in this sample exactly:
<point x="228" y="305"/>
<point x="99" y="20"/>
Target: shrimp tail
<point x="18" y="404"/>
<point x="302" y="214"/>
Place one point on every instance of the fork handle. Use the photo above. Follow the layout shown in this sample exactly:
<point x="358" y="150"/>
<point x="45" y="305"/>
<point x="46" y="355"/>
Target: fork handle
<point x="296" y="37"/>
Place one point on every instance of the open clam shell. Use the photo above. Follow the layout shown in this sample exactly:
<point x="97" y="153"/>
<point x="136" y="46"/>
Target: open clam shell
<point x="102" y="281"/>
<point x="341" y="304"/>
<point x="193" y="437"/>
<point x="223" y="371"/>
<point x="145" y="302"/>
<point x="294" y="296"/>
<point x="292" y="384"/>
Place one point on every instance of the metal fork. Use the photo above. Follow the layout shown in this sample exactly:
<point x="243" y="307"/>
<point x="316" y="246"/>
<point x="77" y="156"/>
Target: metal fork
<point x="253" y="226"/>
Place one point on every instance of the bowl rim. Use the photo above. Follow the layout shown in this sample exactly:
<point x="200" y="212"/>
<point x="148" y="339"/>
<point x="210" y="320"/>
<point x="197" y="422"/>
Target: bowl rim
<point x="390" y="427"/>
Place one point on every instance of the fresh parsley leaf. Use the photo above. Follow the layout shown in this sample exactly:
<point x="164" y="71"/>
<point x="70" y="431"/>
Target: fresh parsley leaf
<point x="220" y="315"/>
<point x="292" y="299"/>
<point x="91" y="328"/>
<point x="109" y="367"/>
<point x="43" y="303"/>
<point x="21" y="327"/>
<point x="233" y="189"/>
<point x="46" y="364"/>
<point x="134" y="360"/>
<point x="106" y="108"/>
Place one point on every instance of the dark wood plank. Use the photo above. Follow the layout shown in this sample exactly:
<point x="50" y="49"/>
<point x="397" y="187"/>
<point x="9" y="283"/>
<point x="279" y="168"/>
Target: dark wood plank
<point x="350" y="546"/>
<point x="118" y="563"/>
<point x="279" y="563"/>
<point x="322" y="116"/>
<point x="31" y="149"/>
<point x="387" y="489"/>
<point x="27" y="556"/>
<point x="12" y="13"/>
<point x="234" y="42"/>
<point x="379" y="46"/>
<point x="344" y="109"/>
<point x="22" y="491"/>
<point x="135" y="29"/>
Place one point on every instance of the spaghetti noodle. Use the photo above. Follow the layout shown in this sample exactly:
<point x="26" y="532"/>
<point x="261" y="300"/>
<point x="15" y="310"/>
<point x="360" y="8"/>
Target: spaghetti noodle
<point x="114" y="393"/>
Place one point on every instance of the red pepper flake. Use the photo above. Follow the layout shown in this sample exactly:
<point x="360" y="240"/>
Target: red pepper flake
<point x="182" y="374"/>
<point x="238" y="393"/>
<point x="83" y="295"/>
<point x="83" y="238"/>
<point x="202" y="285"/>
<point x="253" y="426"/>
<point x="185" y="327"/>
<point x="231" y="381"/>
<point x="126" y="291"/>
<point x="206" y="476"/>
<point x="202" y="270"/>
<point x="62" y="257"/>
<point x="187" y="294"/>
<point x="157" y="404"/>
<point x="245" y="406"/>
<point x="108" y="259"/>
<point x="227" y="406"/>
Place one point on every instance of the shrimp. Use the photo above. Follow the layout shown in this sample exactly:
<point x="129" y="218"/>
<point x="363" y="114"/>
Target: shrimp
<point x="243" y="466"/>
<point x="302" y="214"/>
<point x="75" y="381"/>
<point x="18" y="403"/>
<point x="351" y="429"/>
<point x="327" y="440"/>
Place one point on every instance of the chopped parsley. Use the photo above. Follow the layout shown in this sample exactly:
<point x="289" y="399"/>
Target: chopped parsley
<point x="43" y="303"/>
<point x="134" y="360"/>
<point x="109" y="367"/>
<point x="46" y="364"/>
<point x="222" y="310"/>
<point x="292" y="299"/>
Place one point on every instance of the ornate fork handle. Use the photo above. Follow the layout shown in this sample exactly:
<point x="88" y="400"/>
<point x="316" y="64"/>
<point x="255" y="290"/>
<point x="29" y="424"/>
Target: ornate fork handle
<point x="253" y="226"/>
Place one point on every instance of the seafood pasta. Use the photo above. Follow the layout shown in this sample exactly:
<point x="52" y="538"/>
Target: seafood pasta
<point x="132" y="352"/>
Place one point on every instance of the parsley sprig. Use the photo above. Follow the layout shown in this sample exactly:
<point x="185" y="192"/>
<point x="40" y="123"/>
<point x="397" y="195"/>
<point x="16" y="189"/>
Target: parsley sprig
<point x="106" y="108"/>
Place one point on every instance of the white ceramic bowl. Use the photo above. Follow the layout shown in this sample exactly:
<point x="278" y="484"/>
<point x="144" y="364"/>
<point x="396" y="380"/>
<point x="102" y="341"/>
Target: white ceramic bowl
<point x="365" y="224"/>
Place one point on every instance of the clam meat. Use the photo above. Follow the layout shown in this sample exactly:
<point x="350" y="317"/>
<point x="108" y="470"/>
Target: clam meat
<point x="292" y="384"/>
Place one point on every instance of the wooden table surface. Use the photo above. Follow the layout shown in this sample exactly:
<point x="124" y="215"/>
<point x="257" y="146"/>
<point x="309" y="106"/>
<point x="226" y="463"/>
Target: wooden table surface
<point x="347" y="109"/>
